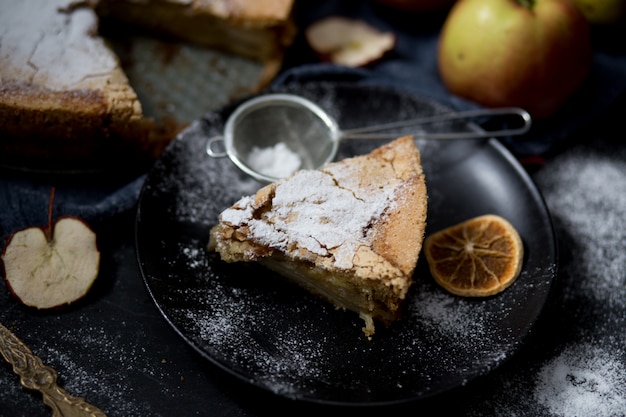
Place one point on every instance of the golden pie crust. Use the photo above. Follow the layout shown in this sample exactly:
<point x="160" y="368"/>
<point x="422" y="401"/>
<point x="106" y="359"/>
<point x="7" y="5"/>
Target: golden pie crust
<point x="350" y="232"/>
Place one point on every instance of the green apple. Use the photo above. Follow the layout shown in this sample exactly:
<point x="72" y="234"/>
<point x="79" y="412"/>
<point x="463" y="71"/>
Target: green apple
<point x="602" y="12"/>
<point x="527" y="53"/>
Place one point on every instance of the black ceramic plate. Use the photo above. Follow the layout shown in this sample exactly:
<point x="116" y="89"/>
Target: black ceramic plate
<point x="271" y="334"/>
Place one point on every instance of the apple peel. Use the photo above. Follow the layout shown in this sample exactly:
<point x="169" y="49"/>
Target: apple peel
<point x="48" y="267"/>
<point x="520" y="53"/>
<point x="348" y="42"/>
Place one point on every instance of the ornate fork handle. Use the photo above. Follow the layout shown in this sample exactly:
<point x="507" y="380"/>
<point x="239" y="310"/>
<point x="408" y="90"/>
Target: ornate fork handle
<point x="37" y="376"/>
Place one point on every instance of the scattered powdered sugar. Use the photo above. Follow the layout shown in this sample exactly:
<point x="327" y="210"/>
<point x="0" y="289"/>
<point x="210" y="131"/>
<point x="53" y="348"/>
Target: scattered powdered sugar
<point x="588" y="194"/>
<point x="95" y="381"/>
<point x="583" y="380"/>
<point x="583" y="367"/>
<point x="193" y="256"/>
<point x="276" y="161"/>
<point x="278" y="360"/>
<point x="238" y="325"/>
<point x="452" y="316"/>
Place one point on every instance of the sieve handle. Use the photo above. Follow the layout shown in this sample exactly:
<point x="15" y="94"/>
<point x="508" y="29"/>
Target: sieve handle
<point x="211" y="143"/>
<point x="523" y="115"/>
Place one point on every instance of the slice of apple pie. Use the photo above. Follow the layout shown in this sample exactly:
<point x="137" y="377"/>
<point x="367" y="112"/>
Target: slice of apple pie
<point x="350" y="232"/>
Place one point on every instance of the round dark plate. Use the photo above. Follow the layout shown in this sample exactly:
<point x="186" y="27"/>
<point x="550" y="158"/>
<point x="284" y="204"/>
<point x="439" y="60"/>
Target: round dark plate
<point x="274" y="335"/>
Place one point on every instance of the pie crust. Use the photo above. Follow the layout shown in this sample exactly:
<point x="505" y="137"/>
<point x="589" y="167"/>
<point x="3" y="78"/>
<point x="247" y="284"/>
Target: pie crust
<point x="350" y="232"/>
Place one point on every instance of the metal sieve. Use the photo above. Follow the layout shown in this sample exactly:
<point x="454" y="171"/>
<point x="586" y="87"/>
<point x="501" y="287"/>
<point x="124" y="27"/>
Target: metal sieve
<point x="310" y="133"/>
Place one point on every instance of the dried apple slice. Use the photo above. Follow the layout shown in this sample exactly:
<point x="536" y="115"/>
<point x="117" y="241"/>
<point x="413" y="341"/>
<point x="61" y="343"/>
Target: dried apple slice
<point x="348" y="42"/>
<point x="51" y="266"/>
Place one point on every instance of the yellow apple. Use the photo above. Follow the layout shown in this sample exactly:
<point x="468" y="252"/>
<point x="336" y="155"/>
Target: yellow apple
<point x="602" y="12"/>
<point x="528" y="53"/>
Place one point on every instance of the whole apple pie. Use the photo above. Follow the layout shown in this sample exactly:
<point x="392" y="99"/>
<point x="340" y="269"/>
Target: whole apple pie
<point x="65" y="101"/>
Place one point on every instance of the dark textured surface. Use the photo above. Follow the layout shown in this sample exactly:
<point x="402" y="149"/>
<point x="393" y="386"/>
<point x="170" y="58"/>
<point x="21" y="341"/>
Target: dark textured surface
<point x="115" y="348"/>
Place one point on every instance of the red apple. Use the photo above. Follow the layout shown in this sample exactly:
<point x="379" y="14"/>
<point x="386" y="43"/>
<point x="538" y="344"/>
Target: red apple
<point x="51" y="266"/>
<point x="527" y="53"/>
<point x="349" y="42"/>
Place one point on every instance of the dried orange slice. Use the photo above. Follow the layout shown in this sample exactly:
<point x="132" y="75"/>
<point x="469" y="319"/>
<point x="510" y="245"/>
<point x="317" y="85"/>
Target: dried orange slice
<point x="475" y="258"/>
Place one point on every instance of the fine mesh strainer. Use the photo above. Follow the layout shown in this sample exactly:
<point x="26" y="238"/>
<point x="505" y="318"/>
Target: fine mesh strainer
<point x="313" y="136"/>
